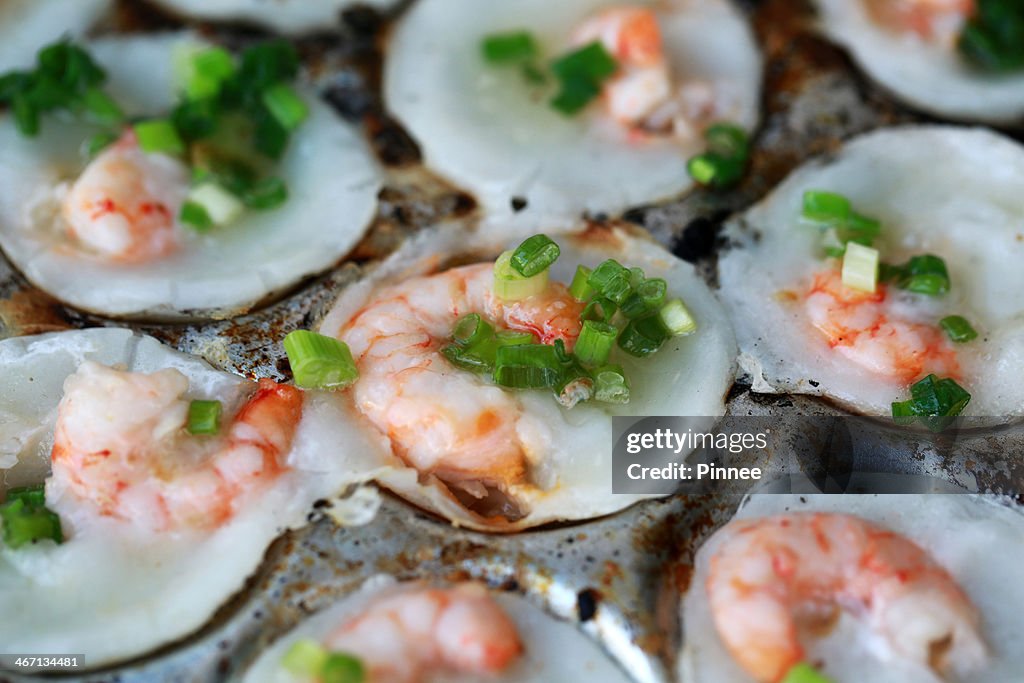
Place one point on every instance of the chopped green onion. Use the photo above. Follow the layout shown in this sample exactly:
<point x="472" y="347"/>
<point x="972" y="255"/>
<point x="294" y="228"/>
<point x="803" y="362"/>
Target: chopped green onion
<point x="645" y="298"/>
<point x="805" y="673"/>
<point x="33" y="496"/>
<point x="958" y="329"/>
<point x="611" y="280"/>
<point x="206" y="72"/>
<point x="471" y="329"/>
<point x="26" y="116"/>
<point x="611" y="385"/>
<point x="715" y="171"/>
<point x="265" y="64"/>
<point x="534" y="255"/>
<point x="515" y="338"/>
<point x="195" y="216"/>
<point x="514" y="46"/>
<point x="102" y="107"/>
<point x="924" y="274"/>
<point x="221" y="206"/>
<point x="860" y="267"/>
<point x="580" y="288"/>
<point x="595" y="342"/>
<point x="158" y="136"/>
<point x="342" y="668"/>
<point x="936" y="401"/>
<point x="286" y="106"/>
<point x="319" y="362"/>
<point x="599" y="309"/>
<point x="204" y="417"/>
<point x="723" y="164"/>
<point x="24" y="518"/>
<point x="196" y="119"/>
<point x="643" y="336"/>
<point x="265" y="194"/>
<point x="727" y="140"/>
<point x="509" y="285"/>
<point x="305" y="658"/>
<point x="992" y="39"/>
<point x="581" y="74"/>
<point x="677" y="319"/>
<point x="527" y="366"/>
<point x="477" y="359"/>
<point x="826" y="208"/>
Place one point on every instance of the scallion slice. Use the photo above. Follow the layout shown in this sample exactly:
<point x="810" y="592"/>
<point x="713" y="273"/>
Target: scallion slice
<point x="924" y="274"/>
<point x="645" y="298"/>
<point x="580" y="288"/>
<point x="509" y="285"/>
<point x="643" y="336"/>
<point x="158" y="136"/>
<point x="534" y="255"/>
<point x="285" y="106"/>
<point x="319" y="362"/>
<point x="958" y="329"/>
<point x="265" y="194"/>
<point x="221" y="206"/>
<point x="611" y="385"/>
<point x="826" y="208"/>
<point x="471" y="329"/>
<point x="342" y="667"/>
<point x="599" y="309"/>
<point x="515" y="338"/>
<point x="477" y="359"/>
<point x="511" y="47"/>
<point x="209" y="70"/>
<point x="195" y="216"/>
<point x="527" y="366"/>
<point x="936" y="401"/>
<point x="728" y="140"/>
<point x="581" y="74"/>
<point x="611" y="280"/>
<point x="595" y="342"/>
<point x="714" y="170"/>
<point x="305" y="658"/>
<point x="24" y="518"/>
<point x="860" y="267"/>
<point x="677" y="319"/>
<point x="204" y="417"/>
<point x="805" y="673"/>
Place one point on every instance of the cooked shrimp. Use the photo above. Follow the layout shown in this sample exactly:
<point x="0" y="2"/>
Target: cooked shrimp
<point x="120" y="445"/>
<point x="402" y="638"/>
<point x="772" y="573"/>
<point x="939" y="20"/>
<point x="633" y="37"/>
<point x="859" y="326"/>
<point x="642" y="94"/>
<point x="441" y="420"/>
<point x="124" y="205"/>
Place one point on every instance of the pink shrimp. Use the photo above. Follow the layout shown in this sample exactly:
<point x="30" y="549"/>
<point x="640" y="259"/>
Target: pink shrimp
<point x="930" y="19"/>
<point x="859" y="326"/>
<point x="404" y="637"/>
<point x="633" y="37"/>
<point x="442" y="420"/>
<point x="124" y="205"/>
<point x="642" y="95"/>
<point x="120" y="446"/>
<point x="770" y="572"/>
